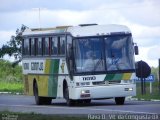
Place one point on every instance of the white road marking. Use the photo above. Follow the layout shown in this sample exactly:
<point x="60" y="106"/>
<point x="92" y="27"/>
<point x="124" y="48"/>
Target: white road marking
<point x="69" y="108"/>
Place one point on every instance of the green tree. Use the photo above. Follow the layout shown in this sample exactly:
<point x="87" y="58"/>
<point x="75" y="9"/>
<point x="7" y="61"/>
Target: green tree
<point x="13" y="47"/>
<point x="154" y="71"/>
<point x="9" y="73"/>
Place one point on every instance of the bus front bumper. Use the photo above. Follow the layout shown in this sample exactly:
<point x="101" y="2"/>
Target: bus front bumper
<point x="100" y="92"/>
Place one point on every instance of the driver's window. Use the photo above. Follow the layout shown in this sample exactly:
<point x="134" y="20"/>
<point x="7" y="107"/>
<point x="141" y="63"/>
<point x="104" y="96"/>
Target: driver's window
<point x="116" y="57"/>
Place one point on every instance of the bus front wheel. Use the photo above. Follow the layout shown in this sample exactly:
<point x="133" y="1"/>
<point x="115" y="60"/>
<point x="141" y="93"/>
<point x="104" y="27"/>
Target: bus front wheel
<point x="69" y="101"/>
<point x="119" y="100"/>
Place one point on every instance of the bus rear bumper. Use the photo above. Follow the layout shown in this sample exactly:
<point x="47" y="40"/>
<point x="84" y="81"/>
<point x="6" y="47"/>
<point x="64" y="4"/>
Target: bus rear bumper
<point x="100" y="92"/>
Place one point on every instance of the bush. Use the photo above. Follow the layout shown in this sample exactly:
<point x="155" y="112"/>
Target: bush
<point x="9" y="73"/>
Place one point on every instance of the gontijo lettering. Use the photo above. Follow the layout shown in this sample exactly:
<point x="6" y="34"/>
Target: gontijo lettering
<point x="36" y="65"/>
<point x="26" y="66"/>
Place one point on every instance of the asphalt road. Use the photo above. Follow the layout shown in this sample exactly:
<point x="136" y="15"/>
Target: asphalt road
<point x="20" y="103"/>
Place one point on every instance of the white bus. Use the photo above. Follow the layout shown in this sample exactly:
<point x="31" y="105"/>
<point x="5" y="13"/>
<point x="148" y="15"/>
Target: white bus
<point x="79" y="63"/>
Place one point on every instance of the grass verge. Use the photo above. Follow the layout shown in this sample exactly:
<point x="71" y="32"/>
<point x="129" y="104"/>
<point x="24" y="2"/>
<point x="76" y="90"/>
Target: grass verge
<point x="11" y="87"/>
<point x="154" y="95"/>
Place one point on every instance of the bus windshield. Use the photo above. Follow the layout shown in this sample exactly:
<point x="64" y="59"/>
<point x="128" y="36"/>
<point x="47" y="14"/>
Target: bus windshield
<point x="101" y="54"/>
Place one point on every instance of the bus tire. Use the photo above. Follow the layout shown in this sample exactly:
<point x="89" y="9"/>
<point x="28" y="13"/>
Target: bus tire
<point x="40" y="100"/>
<point x="84" y="102"/>
<point x="69" y="101"/>
<point x="119" y="100"/>
<point x="46" y="100"/>
<point x="87" y="101"/>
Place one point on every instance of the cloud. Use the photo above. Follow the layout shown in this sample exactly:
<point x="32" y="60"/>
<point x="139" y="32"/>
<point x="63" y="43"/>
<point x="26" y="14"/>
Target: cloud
<point x="63" y="17"/>
<point x="23" y="5"/>
<point x="141" y="31"/>
<point x="50" y="18"/>
<point x="102" y="11"/>
<point x="146" y="36"/>
<point x="13" y="20"/>
<point x="146" y="13"/>
<point x="144" y="54"/>
<point x="143" y="35"/>
<point x="5" y="36"/>
<point x="153" y="53"/>
<point x="19" y="5"/>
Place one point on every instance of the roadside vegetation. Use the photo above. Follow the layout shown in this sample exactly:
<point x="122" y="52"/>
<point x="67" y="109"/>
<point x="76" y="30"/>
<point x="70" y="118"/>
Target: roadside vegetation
<point x="10" y="77"/>
<point x="155" y="88"/>
<point x="155" y="95"/>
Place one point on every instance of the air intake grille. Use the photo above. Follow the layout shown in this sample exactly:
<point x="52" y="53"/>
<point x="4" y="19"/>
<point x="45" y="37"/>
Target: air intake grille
<point x="106" y="82"/>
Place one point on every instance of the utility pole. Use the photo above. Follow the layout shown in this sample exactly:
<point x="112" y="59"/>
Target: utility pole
<point x="159" y="75"/>
<point x="39" y="15"/>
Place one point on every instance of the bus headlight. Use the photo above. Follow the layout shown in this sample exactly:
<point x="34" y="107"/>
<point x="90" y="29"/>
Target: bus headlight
<point x="85" y="91"/>
<point x="128" y="89"/>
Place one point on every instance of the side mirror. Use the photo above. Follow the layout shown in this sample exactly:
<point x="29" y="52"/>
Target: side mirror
<point x="136" y="50"/>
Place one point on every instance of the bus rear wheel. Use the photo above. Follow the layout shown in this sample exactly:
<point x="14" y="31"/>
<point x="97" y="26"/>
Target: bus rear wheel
<point x="119" y="100"/>
<point x="40" y="100"/>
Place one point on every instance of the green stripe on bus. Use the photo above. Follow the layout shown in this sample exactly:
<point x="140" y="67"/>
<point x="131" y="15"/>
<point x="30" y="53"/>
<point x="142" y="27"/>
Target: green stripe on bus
<point x="109" y="77"/>
<point x="53" y="79"/>
<point x="113" y="76"/>
<point x="120" y="76"/>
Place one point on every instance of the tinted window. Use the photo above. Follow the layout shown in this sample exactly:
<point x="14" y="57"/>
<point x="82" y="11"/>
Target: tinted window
<point x="69" y="45"/>
<point x="46" y="46"/>
<point x="62" y="45"/>
<point x="32" y="46"/>
<point x="39" y="46"/>
<point x="54" y="44"/>
<point x="26" y="47"/>
<point x="119" y="52"/>
<point x="89" y="55"/>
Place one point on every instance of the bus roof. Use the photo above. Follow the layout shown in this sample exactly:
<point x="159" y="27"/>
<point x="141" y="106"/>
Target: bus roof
<point x="95" y="30"/>
<point x="39" y="31"/>
<point x="80" y="31"/>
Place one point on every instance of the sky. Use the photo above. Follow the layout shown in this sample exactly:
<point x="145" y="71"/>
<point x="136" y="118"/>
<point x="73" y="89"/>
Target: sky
<point x="141" y="16"/>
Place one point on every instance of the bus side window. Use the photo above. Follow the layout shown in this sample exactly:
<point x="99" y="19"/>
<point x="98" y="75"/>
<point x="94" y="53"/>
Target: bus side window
<point x="26" y="47"/>
<point x="69" y="54"/>
<point x="62" y="45"/>
<point x="69" y="46"/>
<point x="23" y="50"/>
<point x="33" y="46"/>
<point x="36" y="47"/>
<point x="39" y="46"/>
<point x="54" y="46"/>
<point x="46" y="46"/>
